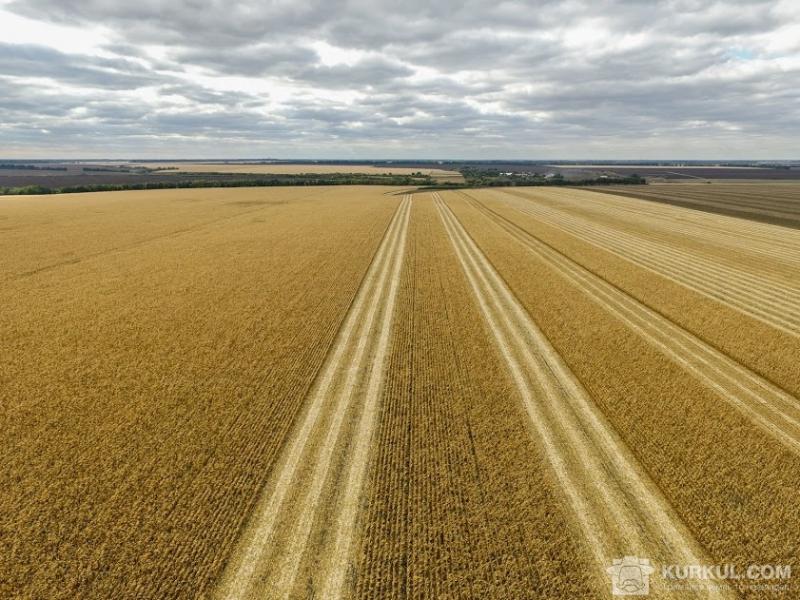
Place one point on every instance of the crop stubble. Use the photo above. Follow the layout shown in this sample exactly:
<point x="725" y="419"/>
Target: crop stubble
<point x="307" y="512"/>
<point x="769" y="202"/>
<point x="768" y="405"/>
<point x="750" y="341"/>
<point x="773" y="298"/>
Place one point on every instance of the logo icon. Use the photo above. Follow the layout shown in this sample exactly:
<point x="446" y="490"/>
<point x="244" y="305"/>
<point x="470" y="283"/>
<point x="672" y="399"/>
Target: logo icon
<point x="630" y="576"/>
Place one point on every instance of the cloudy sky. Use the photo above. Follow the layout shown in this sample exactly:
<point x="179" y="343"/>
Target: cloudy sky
<point x="375" y="79"/>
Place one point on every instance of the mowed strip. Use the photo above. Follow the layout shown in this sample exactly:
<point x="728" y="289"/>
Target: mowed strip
<point x="746" y="238"/>
<point x="618" y="509"/>
<point x="301" y="507"/>
<point x="778" y="205"/>
<point x="693" y="256"/>
<point x="770" y="300"/>
<point x="767" y="405"/>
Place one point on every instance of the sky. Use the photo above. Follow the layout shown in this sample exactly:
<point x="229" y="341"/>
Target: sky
<point x="371" y="79"/>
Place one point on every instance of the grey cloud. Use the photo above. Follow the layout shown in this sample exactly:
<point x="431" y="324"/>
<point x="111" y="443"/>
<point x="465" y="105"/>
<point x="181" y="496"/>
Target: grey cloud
<point x="368" y="72"/>
<point x="509" y="76"/>
<point x="207" y="24"/>
<point x="201" y="96"/>
<point x="295" y="63"/>
<point x="39" y="61"/>
<point x="259" y="59"/>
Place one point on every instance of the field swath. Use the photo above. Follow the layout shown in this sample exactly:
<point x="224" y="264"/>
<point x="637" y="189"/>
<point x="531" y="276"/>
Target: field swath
<point x="303" y="520"/>
<point x="738" y="241"/>
<point x="769" y="202"/>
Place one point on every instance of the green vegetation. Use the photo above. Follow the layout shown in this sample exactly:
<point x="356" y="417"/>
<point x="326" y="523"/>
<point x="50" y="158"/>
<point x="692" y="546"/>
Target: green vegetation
<point x="26" y="167"/>
<point x="115" y="170"/>
<point x="210" y="182"/>
<point x="494" y="177"/>
<point x="477" y="178"/>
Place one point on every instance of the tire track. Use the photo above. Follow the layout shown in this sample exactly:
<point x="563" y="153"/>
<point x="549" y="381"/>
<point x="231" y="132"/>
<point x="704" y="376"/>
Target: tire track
<point x="300" y="506"/>
<point x="775" y="304"/>
<point x="767" y="405"/>
<point x="618" y="509"/>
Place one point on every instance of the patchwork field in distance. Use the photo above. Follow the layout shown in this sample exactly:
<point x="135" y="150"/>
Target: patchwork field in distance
<point x="368" y="392"/>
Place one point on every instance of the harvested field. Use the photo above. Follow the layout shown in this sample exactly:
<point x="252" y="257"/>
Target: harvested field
<point x="776" y="203"/>
<point x="770" y="295"/>
<point x="685" y="173"/>
<point x="678" y="420"/>
<point x="366" y="393"/>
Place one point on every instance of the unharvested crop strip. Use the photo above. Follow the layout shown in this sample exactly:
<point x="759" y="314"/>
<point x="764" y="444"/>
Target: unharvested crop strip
<point x="770" y="407"/>
<point x="221" y="220"/>
<point x="358" y="353"/>
<point x="617" y="506"/>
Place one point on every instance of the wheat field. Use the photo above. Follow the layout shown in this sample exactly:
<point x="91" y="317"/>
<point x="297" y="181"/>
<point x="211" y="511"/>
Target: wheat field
<point x="367" y="392"/>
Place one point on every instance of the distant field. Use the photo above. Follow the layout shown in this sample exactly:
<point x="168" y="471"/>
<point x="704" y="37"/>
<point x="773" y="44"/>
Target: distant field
<point x="85" y="176"/>
<point x="361" y="392"/>
<point x="298" y="169"/>
<point x="650" y="167"/>
<point x="769" y="202"/>
<point x="687" y="173"/>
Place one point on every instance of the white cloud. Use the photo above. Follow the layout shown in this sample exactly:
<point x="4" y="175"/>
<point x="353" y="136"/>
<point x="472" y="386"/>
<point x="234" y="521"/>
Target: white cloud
<point x="17" y="29"/>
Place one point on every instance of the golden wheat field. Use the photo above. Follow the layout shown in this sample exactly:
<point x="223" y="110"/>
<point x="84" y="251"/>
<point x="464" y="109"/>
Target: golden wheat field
<point x="368" y="392"/>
